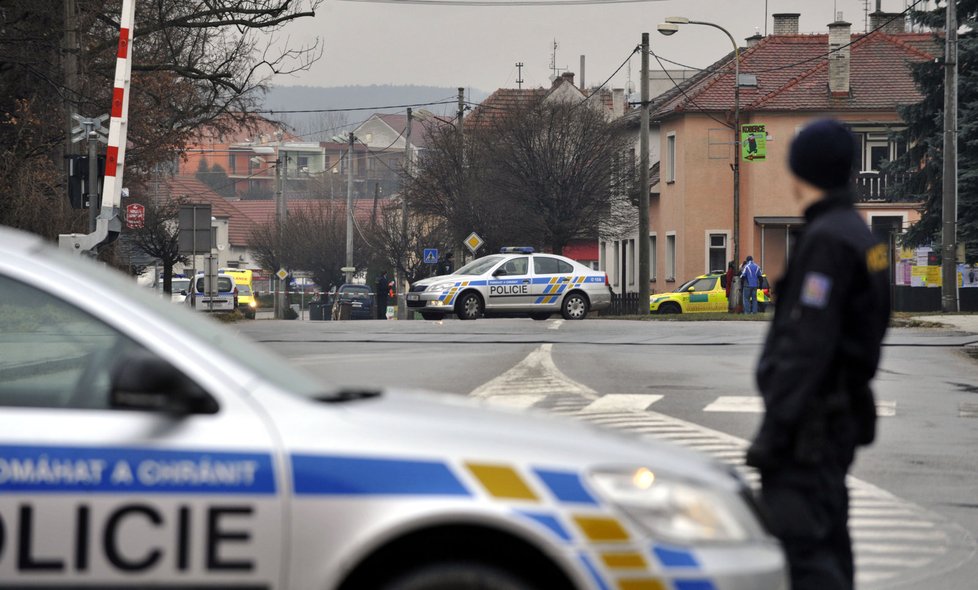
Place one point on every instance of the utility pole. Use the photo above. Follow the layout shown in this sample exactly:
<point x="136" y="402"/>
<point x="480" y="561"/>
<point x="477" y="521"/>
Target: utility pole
<point x="519" y="75"/>
<point x="72" y="75"/>
<point x="643" y="185"/>
<point x="949" y="203"/>
<point x="279" y="299"/>
<point x="402" y="284"/>
<point x="461" y="141"/>
<point x="349" y="210"/>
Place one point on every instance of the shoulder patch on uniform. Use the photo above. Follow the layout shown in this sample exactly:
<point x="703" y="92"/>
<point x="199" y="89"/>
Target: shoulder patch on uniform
<point x="815" y="290"/>
<point x="877" y="258"/>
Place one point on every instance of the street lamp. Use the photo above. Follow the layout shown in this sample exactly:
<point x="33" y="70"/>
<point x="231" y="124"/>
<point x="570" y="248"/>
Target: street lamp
<point x="670" y="27"/>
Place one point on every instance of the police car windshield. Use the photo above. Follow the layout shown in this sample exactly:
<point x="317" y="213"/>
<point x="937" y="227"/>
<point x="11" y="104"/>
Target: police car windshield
<point x="480" y="266"/>
<point x="258" y="359"/>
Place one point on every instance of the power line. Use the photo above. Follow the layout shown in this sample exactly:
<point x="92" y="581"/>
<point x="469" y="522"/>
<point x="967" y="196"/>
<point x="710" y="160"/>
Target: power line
<point x="683" y="91"/>
<point x="344" y="110"/>
<point x="613" y="74"/>
<point x="504" y="3"/>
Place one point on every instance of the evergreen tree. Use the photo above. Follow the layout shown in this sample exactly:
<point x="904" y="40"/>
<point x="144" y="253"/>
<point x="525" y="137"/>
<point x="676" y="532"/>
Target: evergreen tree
<point x="922" y="163"/>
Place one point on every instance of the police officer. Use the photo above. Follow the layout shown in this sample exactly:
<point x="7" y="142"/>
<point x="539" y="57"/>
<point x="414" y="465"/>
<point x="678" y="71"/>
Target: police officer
<point x="821" y="352"/>
<point x="380" y="296"/>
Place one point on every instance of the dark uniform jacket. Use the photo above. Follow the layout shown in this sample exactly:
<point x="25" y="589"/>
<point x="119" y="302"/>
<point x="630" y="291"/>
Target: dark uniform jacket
<point x="823" y="347"/>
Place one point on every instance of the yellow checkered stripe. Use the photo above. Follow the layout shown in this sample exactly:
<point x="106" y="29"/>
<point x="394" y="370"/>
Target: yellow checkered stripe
<point x="449" y="297"/>
<point x="556" y="287"/>
<point x="609" y="558"/>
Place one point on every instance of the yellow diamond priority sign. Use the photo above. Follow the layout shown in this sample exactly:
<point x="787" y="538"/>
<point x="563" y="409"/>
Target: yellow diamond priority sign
<point x="473" y="242"/>
<point x="281" y="274"/>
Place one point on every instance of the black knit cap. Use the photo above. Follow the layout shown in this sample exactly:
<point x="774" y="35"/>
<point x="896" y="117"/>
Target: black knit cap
<point x="824" y="154"/>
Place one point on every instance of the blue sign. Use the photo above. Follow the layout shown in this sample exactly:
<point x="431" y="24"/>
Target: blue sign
<point x="431" y="255"/>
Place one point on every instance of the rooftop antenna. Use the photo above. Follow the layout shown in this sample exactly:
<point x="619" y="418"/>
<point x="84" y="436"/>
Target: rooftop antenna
<point x="519" y="75"/>
<point x="553" y="63"/>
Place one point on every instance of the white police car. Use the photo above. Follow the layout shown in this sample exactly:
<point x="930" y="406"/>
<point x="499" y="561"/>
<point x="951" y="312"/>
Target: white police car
<point x="514" y="281"/>
<point x="143" y="446"/>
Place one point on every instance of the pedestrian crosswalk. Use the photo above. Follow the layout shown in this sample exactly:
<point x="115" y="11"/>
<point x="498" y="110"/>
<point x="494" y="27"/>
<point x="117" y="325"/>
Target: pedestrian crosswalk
<point x="750" y="404"/>
<point x="894" y="540"/>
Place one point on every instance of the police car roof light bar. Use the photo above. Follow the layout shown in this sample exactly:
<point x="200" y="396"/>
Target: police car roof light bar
<point x="516" y="250"/>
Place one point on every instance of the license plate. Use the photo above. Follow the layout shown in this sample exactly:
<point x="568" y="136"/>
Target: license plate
<point x="357" y="304"/>
<point x="413" y="297"/>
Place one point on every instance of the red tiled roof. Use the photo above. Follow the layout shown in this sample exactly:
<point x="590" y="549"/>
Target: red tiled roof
<point x="792" y="75"/>
<point x="194" y="191"/>
<point x="503" y="100"/>
<point x="262" y="211"/>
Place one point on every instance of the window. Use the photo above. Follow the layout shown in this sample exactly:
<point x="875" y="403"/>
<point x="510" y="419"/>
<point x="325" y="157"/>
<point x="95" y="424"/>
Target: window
<point x="545" y="265"/>
<point x="717" y="255"/>
<point x="631" y="267"/>
<point x="52" y="354"/>
<point x="516" y="266"/>
<point x="302" y="161"/>
<point x="232" y="158"/>
<point x="671" y="257"/>
<point x="671" y="157"/>
<point x="652" y="258"/>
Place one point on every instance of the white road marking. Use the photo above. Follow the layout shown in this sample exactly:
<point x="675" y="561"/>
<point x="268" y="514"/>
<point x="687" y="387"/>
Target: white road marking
<point x="968" y="410"/>
<point x="892" y="538"/>
<point x="537" y="373"/>
<point x="613" y="402"/>
<point x="736" y="403"/>
<point x="555" y="325"/>
<point x="754" y="404"/>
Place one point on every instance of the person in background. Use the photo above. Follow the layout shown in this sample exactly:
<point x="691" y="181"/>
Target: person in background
<point x="750" y="278"/>
<point x="380" y="295"/>
<point x="728" y="284"/>
<point x="821" y="352"/>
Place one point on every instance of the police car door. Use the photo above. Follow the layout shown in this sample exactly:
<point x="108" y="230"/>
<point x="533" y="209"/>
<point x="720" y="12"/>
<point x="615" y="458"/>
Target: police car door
<point x="158" y="494"/>
<point x="509" y="286"/>
<point x="551" y="276"/>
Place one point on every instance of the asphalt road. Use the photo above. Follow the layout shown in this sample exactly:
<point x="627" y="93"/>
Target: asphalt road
<point x="915" y="508"/>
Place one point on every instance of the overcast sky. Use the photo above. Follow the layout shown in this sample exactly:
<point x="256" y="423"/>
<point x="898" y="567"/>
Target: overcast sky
<point x="478" y="47"/>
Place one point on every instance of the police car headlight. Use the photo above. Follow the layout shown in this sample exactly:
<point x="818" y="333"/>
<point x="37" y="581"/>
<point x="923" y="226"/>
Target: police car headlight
<point x="675" y="510"/>
<point x="439" y="287"/>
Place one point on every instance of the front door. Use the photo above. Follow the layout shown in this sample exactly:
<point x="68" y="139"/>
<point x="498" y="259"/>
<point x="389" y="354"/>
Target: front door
<point x="509" y="286"/>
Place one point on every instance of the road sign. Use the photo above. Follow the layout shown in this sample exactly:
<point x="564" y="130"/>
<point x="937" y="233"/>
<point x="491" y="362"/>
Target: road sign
<point x="281" y="274"/>
<point x="431" y="255"/>
<point x="473" y="242"/>
<point x="135" y="215"/>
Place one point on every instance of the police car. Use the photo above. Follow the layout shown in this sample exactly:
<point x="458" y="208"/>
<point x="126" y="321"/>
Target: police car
<point x="514" y="281"/>
<point x="143" y="446"/>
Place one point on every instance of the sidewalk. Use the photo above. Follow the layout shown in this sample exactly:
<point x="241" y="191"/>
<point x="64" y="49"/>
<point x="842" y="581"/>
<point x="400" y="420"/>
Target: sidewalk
<point x="965" y="323"/>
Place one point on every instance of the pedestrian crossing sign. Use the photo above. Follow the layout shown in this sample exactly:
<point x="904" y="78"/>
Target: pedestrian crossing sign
<point x="431" y="255"/>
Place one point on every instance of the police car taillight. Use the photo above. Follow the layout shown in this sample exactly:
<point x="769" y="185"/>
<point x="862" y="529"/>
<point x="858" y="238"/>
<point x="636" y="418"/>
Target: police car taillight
<point x="607" y="283"/>
<point x="516" y="250"/>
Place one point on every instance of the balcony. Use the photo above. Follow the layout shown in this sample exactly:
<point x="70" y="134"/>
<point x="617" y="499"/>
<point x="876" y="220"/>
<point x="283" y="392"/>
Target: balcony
<point x="875" y="186"/>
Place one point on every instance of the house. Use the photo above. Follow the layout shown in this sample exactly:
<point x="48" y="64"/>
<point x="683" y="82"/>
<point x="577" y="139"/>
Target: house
<point x="504" y="101"/>
<point x="787" y="79"/>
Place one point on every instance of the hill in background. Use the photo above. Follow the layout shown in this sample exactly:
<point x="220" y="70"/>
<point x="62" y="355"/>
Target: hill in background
<point x="367" y="99"/>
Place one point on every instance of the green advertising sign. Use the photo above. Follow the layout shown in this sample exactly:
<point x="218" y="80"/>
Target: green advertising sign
<point x="753" y="143"/>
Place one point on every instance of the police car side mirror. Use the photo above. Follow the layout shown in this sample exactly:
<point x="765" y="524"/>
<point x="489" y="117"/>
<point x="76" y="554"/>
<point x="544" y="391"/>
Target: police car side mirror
<point x="143" y="381"/>
<point x="500" y="273"/>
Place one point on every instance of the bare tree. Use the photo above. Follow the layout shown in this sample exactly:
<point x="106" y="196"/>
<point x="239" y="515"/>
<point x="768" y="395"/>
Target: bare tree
<point x="193" y="61"/>
<point x="159" y="236"/>
<point x="395" y="249"/>
<point x="544" y="174"/>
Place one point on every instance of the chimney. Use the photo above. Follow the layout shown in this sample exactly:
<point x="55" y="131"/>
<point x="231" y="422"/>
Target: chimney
<point x="839" y="38"/>
<point x="583" y="87"/>
<point x="568" y="77"/>
<point x="890" y="23"/>
<point x="617" y="102"/>
<point x="786" y="23"/>
<point x="753" y="40"/>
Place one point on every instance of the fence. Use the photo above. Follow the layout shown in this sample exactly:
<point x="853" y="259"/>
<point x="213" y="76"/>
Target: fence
<point x="625" y="304"/>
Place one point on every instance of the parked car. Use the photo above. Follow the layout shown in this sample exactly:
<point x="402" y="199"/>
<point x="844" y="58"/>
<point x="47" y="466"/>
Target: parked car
<point x="143" y="447"/>
<point x="225" y="298"/>
<point x="705" y="293"/>
<point x="247" y="302"/>
<point x="179" y="287"/>
<point x="359" y="298"/>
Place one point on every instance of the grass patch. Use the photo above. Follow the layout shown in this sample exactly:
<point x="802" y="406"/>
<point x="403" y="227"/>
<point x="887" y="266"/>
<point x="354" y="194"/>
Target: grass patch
<point x="718" y="316"/>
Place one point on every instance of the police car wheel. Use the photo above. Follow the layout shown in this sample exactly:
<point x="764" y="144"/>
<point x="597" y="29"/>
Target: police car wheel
<point x="469" y="307"/>
<point x="457" y="576"/>
<point x="575" y="307"/>
<point x="540" y="316"/>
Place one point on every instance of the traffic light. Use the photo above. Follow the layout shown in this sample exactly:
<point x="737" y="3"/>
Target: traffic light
<point x="78" y="180"/>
